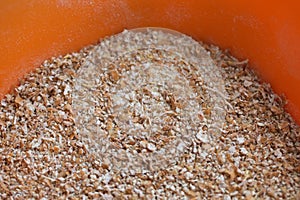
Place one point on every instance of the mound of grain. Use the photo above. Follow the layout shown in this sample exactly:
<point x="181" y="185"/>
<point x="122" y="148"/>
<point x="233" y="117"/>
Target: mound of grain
<point x="143" y="115"/>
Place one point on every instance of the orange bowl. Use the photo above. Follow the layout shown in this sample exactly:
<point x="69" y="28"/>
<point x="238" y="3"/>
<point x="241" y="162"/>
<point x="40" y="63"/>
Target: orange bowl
<point x="266" y="33"/>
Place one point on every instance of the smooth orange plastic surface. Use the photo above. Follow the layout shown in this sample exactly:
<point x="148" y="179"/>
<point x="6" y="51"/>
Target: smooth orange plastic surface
<point x="266" y="32"/>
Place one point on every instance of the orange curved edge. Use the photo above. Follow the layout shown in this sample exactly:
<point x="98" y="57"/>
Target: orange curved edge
<point x="267" y="34"/>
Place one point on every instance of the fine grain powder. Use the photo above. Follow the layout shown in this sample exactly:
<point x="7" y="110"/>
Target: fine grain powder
<point x="147" y="115"/>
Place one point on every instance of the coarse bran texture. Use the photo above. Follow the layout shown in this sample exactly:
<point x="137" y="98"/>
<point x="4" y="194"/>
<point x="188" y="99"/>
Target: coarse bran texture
<point x="147" y="115"/>
<point x="144" y="91"/>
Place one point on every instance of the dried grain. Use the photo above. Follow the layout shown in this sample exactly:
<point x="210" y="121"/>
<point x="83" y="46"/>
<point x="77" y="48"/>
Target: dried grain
<point x="48" y="149"/>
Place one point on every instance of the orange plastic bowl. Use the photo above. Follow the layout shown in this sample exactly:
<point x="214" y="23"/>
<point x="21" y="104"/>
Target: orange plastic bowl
<point x="268" y="33"/>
